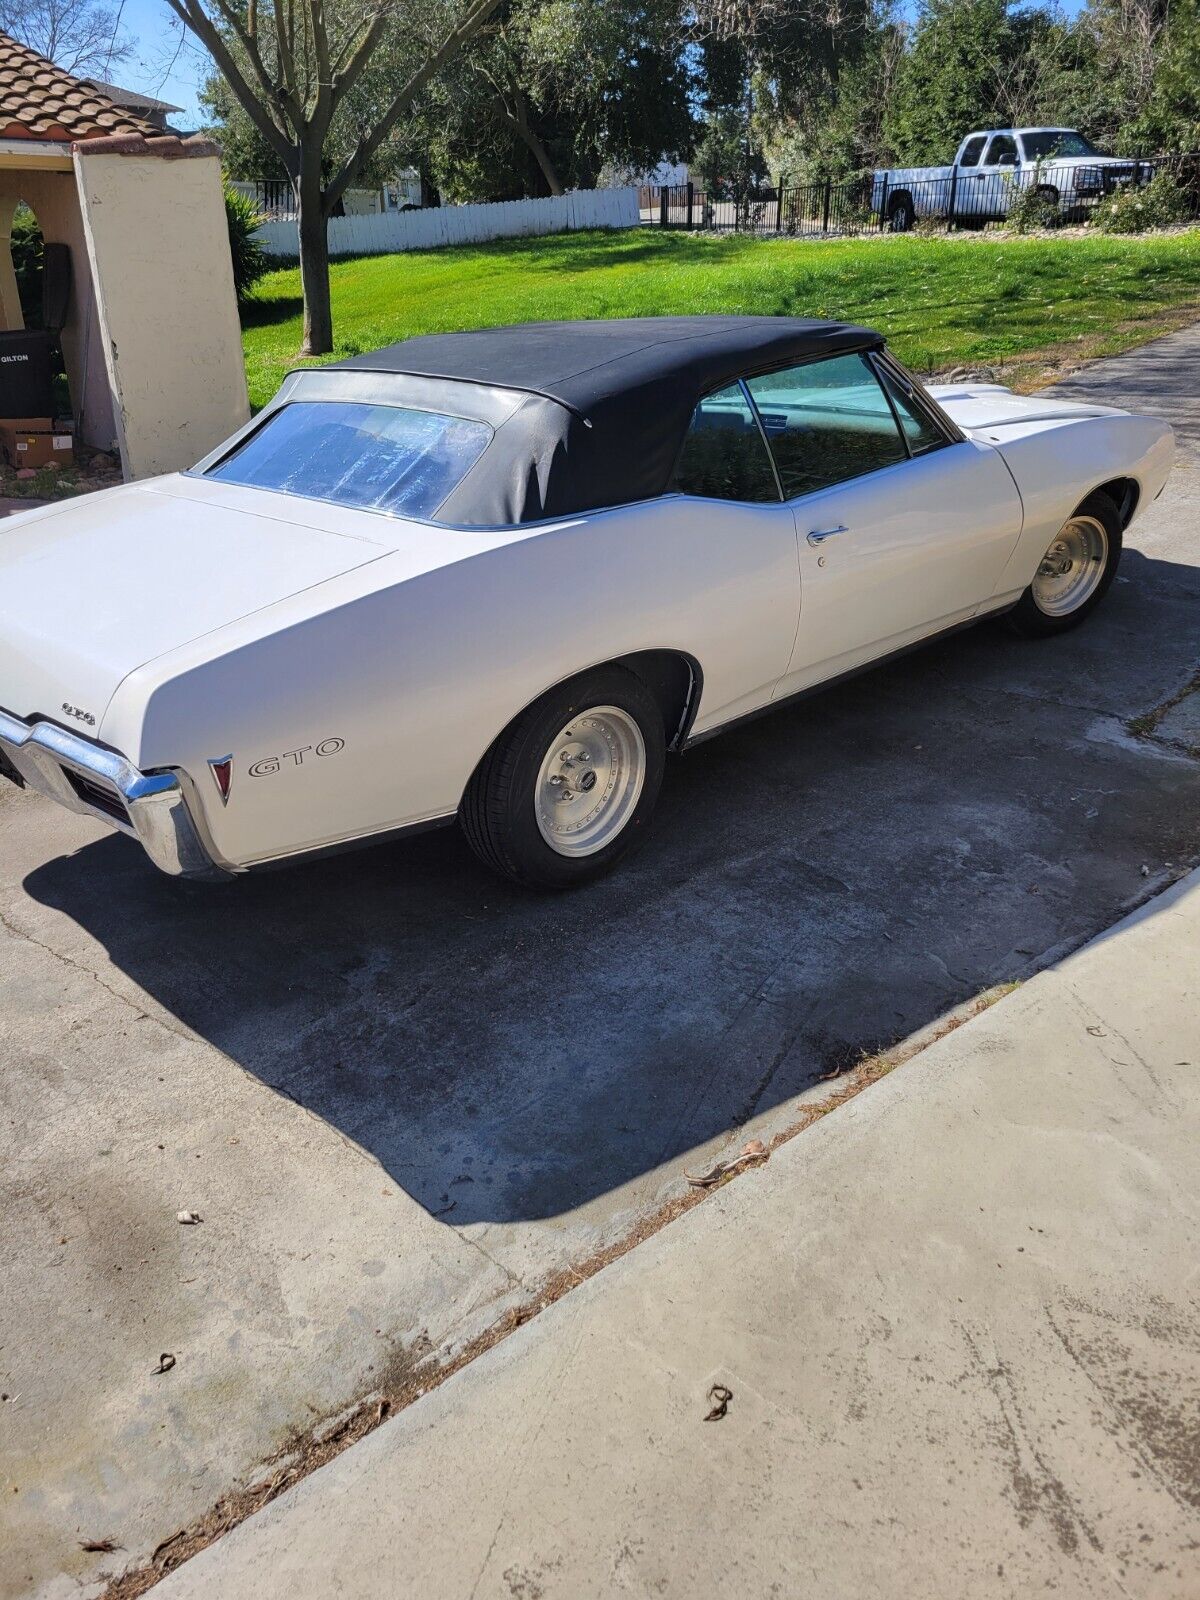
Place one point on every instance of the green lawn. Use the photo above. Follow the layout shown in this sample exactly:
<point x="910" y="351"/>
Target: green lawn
<point x="942" y="302"/>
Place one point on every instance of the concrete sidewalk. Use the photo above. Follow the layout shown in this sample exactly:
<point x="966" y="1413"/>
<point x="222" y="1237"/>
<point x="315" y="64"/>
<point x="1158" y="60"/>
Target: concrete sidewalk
<point x="958" y="1317"/>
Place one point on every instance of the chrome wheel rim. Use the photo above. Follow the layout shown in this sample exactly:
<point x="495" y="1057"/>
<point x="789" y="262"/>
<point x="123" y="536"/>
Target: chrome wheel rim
<point x="590" y="781"/>
<point x="1072" y="568"/>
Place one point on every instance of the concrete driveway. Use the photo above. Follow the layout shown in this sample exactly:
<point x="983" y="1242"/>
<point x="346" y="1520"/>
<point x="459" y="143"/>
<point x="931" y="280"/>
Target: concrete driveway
<point x="400" y="1094"/>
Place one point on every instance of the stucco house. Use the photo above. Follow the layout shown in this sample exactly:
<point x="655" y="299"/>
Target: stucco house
<point x="151" y="342"/>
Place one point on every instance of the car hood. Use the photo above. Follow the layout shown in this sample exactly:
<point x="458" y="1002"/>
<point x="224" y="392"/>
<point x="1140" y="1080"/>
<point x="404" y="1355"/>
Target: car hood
<point x="992" y="412"/>
<point x="91" y="589"/>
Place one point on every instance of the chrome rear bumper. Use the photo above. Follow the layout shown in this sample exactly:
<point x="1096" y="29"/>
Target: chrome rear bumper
<point x="83" y="777"/>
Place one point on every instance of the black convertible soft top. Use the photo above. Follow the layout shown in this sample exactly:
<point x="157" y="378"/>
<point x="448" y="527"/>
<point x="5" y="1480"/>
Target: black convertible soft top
<point x="606" y="403"/>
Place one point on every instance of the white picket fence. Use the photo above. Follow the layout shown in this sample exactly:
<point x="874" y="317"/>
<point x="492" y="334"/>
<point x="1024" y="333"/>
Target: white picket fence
<point x="425" y="230"/>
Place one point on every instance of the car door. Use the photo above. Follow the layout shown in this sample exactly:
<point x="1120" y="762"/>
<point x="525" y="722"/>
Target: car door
<point x="902" y="530"/>
<point x="997" y="176"/>
<point x="968" y="194"/>
<point x="750" y="596"/>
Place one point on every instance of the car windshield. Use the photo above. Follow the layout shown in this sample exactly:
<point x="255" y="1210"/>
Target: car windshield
<point x="376" y="458"/>
<point x="1061" y="142"/>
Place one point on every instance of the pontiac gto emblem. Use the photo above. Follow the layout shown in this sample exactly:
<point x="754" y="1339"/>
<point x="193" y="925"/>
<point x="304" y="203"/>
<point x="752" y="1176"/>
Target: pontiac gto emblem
<point x="80" y="716"/>
<point x="221" y="768"/>
<point x="269" y="765"/>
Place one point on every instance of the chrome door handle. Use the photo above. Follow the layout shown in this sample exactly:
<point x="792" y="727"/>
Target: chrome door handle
<point x="819" y="535"/>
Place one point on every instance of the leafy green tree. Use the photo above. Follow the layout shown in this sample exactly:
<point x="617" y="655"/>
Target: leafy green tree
<point x="553" y="92"/>
<point x="837" y="129"/>
<point x="316" y="77"/>
<point x="245" y="154"/>
<point x="1169" y="120"/>
<point x="986" y="63"/>
<point x="728" y="160"/>
<point x="784" y="74"/>
<point x="947" y="80"/>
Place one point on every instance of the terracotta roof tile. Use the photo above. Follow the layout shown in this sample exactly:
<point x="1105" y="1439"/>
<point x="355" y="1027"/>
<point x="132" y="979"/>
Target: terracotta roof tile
<point x="40" y="101"/>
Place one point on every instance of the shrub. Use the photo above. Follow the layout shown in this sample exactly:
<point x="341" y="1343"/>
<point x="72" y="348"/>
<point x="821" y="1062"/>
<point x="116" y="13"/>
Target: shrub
<point x="249" y="257"/>
<point x="1031" y="209"/>
<point x="1159" y="204"/>
<point x="27" y="264"/>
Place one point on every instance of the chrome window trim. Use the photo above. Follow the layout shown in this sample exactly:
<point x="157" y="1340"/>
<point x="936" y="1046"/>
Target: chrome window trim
<point x="721" y="500"/>
<point x="920" y="396"/>
<point x="158" y="812"/>
<point x="762" y="433"/>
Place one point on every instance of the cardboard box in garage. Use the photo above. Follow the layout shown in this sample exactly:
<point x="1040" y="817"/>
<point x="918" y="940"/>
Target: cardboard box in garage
<point x="34" y="442"/>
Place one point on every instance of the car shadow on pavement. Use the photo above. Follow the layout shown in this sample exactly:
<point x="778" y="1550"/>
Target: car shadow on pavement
<point x="816" y="883"/>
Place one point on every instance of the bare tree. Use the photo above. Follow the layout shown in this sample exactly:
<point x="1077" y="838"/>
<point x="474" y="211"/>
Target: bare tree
<point x="80" y="36"/>
<point x="299" y="63"/>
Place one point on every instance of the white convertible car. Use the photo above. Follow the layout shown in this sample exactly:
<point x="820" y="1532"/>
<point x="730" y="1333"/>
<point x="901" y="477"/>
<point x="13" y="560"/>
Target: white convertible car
<point x="496" y="576"/>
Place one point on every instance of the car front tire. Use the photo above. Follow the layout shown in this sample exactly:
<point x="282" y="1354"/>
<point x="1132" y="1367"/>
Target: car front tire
<point x="1075" y="573"/>
<point x="569" y="787"/>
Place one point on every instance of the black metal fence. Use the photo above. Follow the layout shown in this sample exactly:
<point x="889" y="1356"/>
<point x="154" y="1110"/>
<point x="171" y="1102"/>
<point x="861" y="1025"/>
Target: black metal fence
<point x="1059" y="193"/>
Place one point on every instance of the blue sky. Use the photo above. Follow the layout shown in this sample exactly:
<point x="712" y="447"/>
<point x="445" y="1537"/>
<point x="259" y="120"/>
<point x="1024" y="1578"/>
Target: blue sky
<point x="163" y="63"/>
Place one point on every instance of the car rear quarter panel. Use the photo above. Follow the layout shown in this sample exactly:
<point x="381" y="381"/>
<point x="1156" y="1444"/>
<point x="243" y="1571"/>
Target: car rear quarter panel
<point x="406" y="683"/>
<point x="1057" y="467"/>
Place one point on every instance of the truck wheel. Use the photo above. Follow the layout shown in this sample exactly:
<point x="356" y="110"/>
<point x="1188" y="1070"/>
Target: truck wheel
<point x="901" y="214"/>
<point x="1047" y="193"/>
<point x="1075" y="573"/>
<point x="569" y="786"/>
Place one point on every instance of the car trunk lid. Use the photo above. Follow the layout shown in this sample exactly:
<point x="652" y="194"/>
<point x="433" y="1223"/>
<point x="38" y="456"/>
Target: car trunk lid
<point x="93" y="588"/>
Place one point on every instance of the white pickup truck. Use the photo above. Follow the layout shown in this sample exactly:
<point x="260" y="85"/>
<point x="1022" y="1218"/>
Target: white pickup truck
<point x="994" y="164"/>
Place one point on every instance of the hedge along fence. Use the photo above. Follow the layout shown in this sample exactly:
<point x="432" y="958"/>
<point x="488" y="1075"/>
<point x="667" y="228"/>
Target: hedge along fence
<point x="425" y="230"/>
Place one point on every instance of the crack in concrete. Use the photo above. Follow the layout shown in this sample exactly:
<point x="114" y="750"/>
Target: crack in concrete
<point x="514" y="1279"/>
<point x="124" y="1000"/>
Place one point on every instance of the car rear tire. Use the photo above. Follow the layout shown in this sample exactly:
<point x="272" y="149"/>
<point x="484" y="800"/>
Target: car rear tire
<point x="1075" y="573"/>
<point x="901" y="214"/>
<point x="569" y="787"/>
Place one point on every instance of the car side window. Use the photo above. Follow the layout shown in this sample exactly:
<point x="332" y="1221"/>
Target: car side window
<point x="1002" y="152"/>
<point x="918" y="429"/>
<point x="972" y="151"/>
<point x="827" y="421"/>
<point x="723" y="455"/>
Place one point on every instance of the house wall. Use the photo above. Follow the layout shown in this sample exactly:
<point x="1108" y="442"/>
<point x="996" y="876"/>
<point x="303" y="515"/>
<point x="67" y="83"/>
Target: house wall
<point x="159" y="252"/>
<point x="423" y="230"/>
<point x="54" y="200"/>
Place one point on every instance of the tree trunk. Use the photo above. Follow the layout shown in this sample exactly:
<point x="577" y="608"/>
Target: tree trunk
<point x="542" y="156"/>
<point x="518" y="120"/>
<point x="314" y="259"/>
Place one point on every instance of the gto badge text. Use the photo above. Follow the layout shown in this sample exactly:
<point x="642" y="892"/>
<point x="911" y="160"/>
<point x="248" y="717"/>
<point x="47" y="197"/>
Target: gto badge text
<point x="269" y="765"/>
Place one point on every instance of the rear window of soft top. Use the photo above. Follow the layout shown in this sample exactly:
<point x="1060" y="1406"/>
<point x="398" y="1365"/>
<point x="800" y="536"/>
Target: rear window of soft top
<point x="371" y="457"/>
